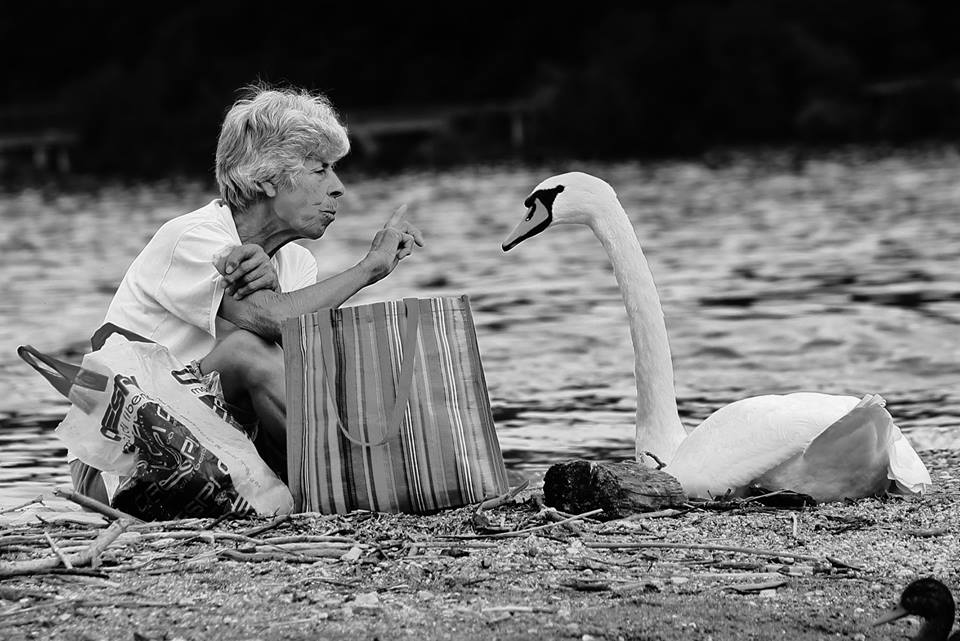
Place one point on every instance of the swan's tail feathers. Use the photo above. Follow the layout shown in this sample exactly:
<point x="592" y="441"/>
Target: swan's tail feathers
<point x="860" y="455"/>
<point x="907" y="472"/>
<point x="863" y="431"/>
<point x="868" y="431"/>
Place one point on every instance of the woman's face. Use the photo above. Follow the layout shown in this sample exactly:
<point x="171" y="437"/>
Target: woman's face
<point x="310" y="204"/>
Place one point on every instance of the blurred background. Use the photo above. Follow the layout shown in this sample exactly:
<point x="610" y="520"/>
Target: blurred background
<point x="102" y="87"/>
<point x="791" y="168"/>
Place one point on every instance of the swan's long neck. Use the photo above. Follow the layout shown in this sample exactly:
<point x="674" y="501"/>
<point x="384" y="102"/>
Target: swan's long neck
<point x="658" y="425"/>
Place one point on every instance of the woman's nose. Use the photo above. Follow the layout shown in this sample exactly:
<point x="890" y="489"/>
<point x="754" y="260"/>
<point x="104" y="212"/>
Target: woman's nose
<point x="336" y="187"/>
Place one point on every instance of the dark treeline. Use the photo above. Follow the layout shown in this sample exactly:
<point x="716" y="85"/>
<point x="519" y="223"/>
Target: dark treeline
<point x="146" y="88"/>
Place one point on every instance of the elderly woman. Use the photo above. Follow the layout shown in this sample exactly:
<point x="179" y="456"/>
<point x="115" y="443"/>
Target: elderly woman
<point x="215" y="285"/>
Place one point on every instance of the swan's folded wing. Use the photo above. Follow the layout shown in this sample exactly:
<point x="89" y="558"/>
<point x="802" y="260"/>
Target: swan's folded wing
<point x="741" y="442"/>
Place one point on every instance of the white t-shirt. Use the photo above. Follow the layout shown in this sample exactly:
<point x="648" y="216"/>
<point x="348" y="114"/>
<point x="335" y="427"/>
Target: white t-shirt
<point x="172" y="291"/>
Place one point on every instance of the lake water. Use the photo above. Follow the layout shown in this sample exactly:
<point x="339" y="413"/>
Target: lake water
<point x="837" y="273"/>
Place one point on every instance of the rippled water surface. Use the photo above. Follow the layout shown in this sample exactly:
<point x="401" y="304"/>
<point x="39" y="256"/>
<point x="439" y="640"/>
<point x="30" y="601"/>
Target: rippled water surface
<point x="837" y="273"/>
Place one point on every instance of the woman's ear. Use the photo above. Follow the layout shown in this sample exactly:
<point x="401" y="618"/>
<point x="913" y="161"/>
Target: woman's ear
<point x="268" y="188"/>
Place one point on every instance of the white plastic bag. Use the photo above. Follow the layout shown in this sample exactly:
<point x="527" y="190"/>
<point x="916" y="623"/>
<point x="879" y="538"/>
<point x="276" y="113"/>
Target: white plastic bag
<point x="154" y="423"/>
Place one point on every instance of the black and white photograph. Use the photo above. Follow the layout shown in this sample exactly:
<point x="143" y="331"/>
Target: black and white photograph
<point x="481" y="321"/>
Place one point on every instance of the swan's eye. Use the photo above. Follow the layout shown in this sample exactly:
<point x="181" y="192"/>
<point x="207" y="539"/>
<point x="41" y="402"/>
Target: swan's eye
<point x="530" y="211"/>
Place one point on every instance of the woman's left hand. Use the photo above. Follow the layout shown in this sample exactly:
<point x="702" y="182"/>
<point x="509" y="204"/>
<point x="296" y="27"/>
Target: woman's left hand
<point x="247" y="269"/>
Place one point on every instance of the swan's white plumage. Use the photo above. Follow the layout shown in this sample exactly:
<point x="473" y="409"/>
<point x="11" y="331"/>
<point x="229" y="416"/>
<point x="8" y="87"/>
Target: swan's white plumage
<point x="824" y="445"/>
<point x="827" y="446"/>
<point x="742" y="441"/>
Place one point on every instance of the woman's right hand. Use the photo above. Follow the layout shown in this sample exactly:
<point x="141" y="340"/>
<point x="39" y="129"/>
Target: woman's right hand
<point x="392" y="244"/>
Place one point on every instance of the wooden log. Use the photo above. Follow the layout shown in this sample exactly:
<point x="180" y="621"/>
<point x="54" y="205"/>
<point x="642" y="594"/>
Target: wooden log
<point x="619" y="489"/>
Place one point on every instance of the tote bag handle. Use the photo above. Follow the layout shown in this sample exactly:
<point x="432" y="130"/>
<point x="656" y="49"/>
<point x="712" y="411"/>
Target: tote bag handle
<point x="61" y="375"/>
<point x="404" y="383"/>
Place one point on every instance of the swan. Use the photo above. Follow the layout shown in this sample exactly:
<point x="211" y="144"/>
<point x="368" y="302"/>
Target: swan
<point x="826" y="446"/>
<point x="930" y="600"/>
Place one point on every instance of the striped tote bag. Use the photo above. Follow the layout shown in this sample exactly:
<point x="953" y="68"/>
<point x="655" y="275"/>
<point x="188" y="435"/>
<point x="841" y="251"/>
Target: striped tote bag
<point x="387" y="409"/>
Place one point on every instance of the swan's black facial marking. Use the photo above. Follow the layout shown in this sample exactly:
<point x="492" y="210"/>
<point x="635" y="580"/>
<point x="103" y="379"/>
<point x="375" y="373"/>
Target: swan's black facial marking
<point x="546" y="196"/>
<point x="539" y="216"/>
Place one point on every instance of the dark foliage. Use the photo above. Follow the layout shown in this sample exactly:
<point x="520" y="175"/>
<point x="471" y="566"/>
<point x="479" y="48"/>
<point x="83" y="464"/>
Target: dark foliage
<point x="146" y="86"/>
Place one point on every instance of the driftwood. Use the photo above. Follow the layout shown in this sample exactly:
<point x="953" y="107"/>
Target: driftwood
<point x="95" y="505"/>
<point x="619" y="489"/>
<point x="90" y="556"/>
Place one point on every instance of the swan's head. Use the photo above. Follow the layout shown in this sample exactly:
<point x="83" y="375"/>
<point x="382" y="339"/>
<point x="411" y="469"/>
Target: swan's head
<point x="926" y="598"/>
<point x="573" y="198"/>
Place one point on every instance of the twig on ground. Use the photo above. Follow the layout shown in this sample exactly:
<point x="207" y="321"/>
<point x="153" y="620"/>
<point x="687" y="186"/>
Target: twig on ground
<point x="489" y="504"/>
<point x="87" y="557"/>
<point x="95" y="505"/>
<point x="760" y="497"/>
<point x="937" y="531"/>
<point x="517" y="608"/>
<point x="448" y="544"/>
<point x="38" y="499"/>
<point x="303" y="538"/>
<point x="191" y="523"/>
<point x="53" y="546"/>
<point x="746" y="588"/>
<point x="306" y="547"/>
<point x="658" y="514"/>
<point x="843" y="564"/>
<point x="701" y="546"/>
<point x="587" y="585"/>
<point x="220" y="519"/>
<point x="526" y="531"/>
<point x="551" y="514"/>
<point x="257" y="557"/>
<point x="260" y="529"/>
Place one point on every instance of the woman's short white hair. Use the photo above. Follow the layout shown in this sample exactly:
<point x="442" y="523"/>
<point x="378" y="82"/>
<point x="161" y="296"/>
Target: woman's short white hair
<point x="268" y="135"/>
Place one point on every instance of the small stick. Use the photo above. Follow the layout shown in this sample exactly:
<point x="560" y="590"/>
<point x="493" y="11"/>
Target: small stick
<point x="489" y="504"/>
<point x="95" y="505"/>
<point x="256" y="557"/>
<point x="260" y="529"/>
<point x="843" y="564"/>
<point x="449" y="544"/>
<point x="760" y="577"/>
<point x="762" y="496"/>
<point x="657" y="514"/>
<point x="53" y="546"/>
<point x="551" y="514"/>
<point x="744" y="588"/>
<point x="660" y="464"/>
<point x="189" y="523"/>
<point x="220" y="519"/>
<point x="796" y="525"/>
<point x="305" y="538"/>
<point x="39" y="499"/>
<point x="305" y="546"/>
<point x="937" y="531"/>
<point x="524" y="532"/>
<point x="699" y="546"/>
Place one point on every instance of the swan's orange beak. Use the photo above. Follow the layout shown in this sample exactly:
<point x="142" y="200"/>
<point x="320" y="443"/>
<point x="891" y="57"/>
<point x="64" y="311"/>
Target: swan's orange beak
<point x="892" y="615"/>
<point x="537" y="219"/>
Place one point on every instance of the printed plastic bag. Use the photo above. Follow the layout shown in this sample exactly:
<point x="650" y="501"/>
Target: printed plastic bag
<point x="140" y="413"/>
